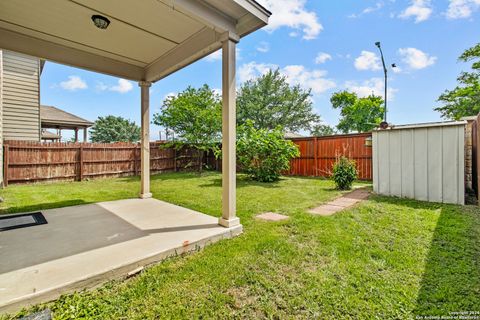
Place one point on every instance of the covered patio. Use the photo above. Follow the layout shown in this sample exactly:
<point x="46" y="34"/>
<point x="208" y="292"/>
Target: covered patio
<point x="83" y="246"/>
<point x="142" y="41"/>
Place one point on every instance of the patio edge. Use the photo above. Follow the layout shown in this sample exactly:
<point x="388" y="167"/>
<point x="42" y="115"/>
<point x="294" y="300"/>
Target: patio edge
<point x="121" y="272"/>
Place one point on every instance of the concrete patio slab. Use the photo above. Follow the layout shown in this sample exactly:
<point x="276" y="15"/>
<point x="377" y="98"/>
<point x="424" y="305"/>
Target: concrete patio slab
<point x="84" y="246"/>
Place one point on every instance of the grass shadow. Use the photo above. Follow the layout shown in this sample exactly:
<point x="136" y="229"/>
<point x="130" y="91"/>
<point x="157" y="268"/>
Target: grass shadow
<point x="181" y="175"/>
<point x="414" y="204"/>
<point x="451" y="279"/>
<point x="451" y="276"/>
<point x="44" y="206"/>
<point x="241" y="183"/>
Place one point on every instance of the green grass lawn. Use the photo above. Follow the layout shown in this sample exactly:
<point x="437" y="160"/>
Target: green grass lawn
<point x="386" y="258"/>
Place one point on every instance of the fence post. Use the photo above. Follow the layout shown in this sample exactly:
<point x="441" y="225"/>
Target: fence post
<point x="135" y="148"/>
<point x="5" y="165"/>
<point x="174" y="159"/>
<point x="80" y="161"/>
<point x="315" y="171"/>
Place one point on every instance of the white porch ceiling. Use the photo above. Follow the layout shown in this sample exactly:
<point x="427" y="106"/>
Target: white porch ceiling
<point x="146" y="40"/>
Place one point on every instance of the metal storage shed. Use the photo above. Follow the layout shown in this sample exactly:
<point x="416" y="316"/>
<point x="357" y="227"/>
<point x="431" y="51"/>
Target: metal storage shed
<point x="421" y="161"/>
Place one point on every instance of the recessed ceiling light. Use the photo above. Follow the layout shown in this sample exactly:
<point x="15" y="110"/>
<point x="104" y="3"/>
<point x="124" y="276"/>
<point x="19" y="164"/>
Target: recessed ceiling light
<point x="100" y="21"/>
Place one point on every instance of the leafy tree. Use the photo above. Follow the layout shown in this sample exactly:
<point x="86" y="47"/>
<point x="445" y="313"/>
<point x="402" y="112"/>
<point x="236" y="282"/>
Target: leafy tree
<point x="269" y="101"/>
<point x="114" y="129"/>
<point x="464" y="100"/>
<point x="195" y="115"/>
<point x="264" y="154"/>
<point x="357" y="114"/>
<point x="322" y="129"/>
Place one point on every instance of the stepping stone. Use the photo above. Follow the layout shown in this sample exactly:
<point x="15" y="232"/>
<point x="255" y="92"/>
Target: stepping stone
<point x="272" y="216"/>
<point x="344" y="202"/>
<point x="341" y="203"/>
<point x="326" y="210"/>
<point x="359" y="194"/>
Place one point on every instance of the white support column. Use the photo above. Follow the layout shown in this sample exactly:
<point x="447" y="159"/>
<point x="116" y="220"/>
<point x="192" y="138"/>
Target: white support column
<point x="228" y="218"/>
<point x="145" y="144"/>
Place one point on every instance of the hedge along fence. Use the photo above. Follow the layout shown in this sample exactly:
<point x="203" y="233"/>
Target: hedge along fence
<point x="318" y="154"/>
<point x="26" y="161"/>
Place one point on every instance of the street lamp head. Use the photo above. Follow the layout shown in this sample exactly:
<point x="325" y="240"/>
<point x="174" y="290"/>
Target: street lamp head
<point x="377" y="44"/>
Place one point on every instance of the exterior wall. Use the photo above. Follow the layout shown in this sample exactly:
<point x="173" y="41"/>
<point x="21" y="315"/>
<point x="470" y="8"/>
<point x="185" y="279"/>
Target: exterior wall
<point x="421" y="162"/>
<point x="21" y="91"/>
<point x="469" y="154"/>
<point x="1" y="119"/>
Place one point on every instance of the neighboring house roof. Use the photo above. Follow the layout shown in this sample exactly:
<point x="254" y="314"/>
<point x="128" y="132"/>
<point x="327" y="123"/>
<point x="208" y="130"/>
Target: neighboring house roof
<point x="290" y="135"/>
<point x="47" y="135"/>
<point x="56" y="118"/>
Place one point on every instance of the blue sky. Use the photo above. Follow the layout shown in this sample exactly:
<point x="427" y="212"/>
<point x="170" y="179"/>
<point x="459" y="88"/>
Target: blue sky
<point x="323" y="45"/>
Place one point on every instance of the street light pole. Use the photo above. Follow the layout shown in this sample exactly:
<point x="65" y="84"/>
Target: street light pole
<point x="385" y="73"/>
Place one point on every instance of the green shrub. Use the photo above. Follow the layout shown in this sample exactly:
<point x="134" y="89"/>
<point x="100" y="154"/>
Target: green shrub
<point x="344" y="173"/>
<point x="264" y="154"/>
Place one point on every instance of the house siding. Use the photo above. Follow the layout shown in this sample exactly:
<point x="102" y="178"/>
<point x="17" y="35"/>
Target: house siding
<point x="20" y="101"/>
<point x="1" y="118"/>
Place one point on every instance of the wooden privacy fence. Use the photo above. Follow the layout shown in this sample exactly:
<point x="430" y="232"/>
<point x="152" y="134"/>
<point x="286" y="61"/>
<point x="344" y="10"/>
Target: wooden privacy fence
<point x="318" y="154"/>
<point x="26" y="161"/>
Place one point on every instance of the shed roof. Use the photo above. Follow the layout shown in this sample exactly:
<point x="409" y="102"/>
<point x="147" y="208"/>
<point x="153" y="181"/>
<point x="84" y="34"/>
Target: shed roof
<point x="423" y="125"/>
<point x="54" y="117"/>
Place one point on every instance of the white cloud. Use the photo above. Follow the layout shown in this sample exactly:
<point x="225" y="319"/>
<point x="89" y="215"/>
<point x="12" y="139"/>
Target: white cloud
<point x="292" y="14"/>
<point x="344" y="56"/>
<point x="253" y="69"/>
<point x="295" y="74"/>
<point x="170" y="95"/>
<point x="461" y="9"/>
<point x="379" y="5"/>
<point x="263" y="47"/>
<point x="367" y="87"/>
<point x="101" y="86"/>
<point x="217" y="55"/>
<point x="122" y="86"/>
<point x="367" y="61"/>
<point x="322" y="57"/>
<point x="416" y="59"/>
<point x="314" y="79"/>
<point x="421" y="10"/>
<point x="217" y="91"/>
<point x="74" y="83"/>
<point x="397" y="69"/>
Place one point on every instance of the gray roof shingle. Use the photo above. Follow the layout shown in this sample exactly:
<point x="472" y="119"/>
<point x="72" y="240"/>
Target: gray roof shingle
<point x="53" y="116"/>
